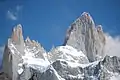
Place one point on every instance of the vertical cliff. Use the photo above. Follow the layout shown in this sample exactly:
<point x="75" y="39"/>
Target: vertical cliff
<point x="84" y="35"/>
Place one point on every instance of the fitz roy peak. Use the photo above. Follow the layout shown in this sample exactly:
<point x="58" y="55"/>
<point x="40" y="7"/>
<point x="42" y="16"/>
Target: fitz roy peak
<point x="84" y="36"/>
<point x="81" y="57"/>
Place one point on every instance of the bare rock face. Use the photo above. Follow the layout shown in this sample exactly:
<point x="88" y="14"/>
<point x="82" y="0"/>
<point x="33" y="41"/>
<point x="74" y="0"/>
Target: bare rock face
<point x="13" y="52"/>
<point x="17" y="38"/>
<point x="83" y="35"/>
<point x="7" y="62"/>
<point x="11" y="58"/>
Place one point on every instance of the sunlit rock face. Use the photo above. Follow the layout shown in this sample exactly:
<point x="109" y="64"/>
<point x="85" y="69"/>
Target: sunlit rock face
<point x="17" y="38"/>
<point x="83" y="35"/>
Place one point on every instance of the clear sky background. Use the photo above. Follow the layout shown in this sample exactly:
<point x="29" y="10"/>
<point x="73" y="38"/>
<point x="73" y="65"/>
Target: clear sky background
<point x="48" y="20"/>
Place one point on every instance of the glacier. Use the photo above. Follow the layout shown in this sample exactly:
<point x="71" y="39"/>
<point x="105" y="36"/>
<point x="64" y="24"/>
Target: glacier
<point x="81" y="57"/>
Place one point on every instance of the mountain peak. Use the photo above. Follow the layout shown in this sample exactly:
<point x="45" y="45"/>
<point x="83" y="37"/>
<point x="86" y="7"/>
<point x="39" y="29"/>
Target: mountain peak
<point x="86" y="14"/>
<point x="99" y="28"/>
<point x="17" y="38"/>
<point x="86" y="17"/>
<point x="28" y="39"/>
<point x="83" y="35"/>
<point x="19" y="26"/>
<point x="17" y="35"/>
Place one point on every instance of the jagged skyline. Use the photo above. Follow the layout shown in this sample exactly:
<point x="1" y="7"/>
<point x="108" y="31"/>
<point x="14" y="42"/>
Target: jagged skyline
<point x="81" y="56"/>
<point x="48" y="21"/>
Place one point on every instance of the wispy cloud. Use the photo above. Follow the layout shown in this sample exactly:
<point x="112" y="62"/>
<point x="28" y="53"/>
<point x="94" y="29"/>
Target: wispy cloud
<point x="112" y="45"/>
<point x="13" y="14"/>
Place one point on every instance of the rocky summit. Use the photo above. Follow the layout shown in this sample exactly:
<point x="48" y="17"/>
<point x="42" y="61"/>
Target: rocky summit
<point x="81" y="56"/>
<point x="84" y="36"/>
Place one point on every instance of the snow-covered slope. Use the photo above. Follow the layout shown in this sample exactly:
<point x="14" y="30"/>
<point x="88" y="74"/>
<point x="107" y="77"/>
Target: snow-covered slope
<point x="67" y="53"/>
<point x="80" y="58"/>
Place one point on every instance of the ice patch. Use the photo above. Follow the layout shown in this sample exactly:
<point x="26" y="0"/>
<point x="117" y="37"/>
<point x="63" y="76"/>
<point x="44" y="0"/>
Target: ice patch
<point x="20" y="71"/>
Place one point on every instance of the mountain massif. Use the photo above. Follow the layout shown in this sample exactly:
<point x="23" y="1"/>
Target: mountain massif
<point x="81" y="56"/>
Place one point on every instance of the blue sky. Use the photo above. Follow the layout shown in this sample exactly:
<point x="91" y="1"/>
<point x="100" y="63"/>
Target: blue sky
<point x="48" y="20"/>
